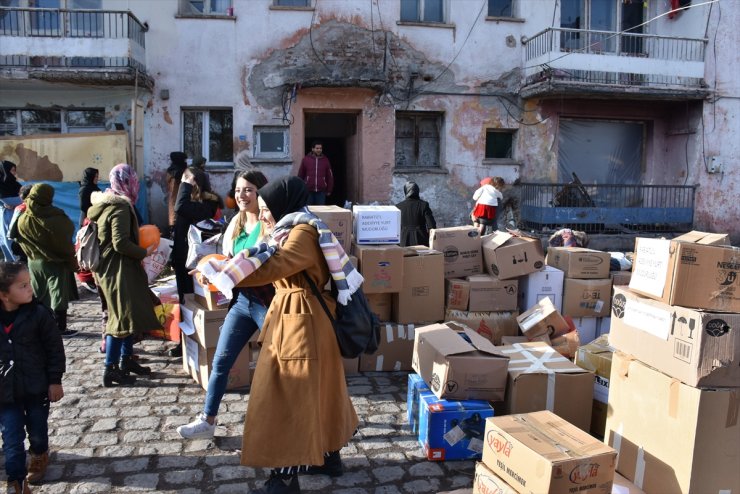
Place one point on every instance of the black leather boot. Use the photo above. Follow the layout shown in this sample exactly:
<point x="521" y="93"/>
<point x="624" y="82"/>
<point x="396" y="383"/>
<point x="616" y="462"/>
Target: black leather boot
<point x="113" y="376"/>
<point x="279" y="484"/>
<point x="129" y="364"/>
<point x="332" y="466"/>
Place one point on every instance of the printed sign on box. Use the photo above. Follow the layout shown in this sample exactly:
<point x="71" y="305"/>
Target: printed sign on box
<point x="377" y="224"/>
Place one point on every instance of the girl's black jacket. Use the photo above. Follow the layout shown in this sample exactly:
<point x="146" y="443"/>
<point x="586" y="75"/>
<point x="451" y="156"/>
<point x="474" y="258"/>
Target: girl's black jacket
<point x="32" y="353"/>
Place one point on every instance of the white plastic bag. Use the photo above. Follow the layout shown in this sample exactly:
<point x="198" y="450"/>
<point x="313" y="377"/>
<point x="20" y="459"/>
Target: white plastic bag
<point x="200" y="244"/>
<point x="155" y="262"/>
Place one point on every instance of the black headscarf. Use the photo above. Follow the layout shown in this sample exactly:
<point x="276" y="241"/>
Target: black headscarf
<point x="411" y="190"/>
<point x="179" y="164"/>
<point x="9" y="186"/>
<point x="284" y="196"/>
<point x="87" y="187"/>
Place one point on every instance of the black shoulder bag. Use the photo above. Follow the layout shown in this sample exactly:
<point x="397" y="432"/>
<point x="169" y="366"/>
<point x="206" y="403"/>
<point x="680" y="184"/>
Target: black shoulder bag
<point x="356" y="326"/>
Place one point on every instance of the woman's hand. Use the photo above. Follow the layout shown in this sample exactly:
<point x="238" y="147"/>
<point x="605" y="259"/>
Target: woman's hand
<point x="56" y="392"/>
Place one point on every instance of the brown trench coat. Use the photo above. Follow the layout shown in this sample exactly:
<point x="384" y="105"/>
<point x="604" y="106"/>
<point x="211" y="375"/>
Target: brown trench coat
<point x="299" y="407"/>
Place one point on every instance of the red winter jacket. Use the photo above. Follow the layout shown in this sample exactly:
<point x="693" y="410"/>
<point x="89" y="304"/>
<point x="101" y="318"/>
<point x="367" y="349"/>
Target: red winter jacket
<point x="316" y="172"/>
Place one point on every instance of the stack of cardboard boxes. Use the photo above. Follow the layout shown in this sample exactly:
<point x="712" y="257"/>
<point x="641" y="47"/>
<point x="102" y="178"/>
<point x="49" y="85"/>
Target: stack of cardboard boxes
<point x="675" y="378"/>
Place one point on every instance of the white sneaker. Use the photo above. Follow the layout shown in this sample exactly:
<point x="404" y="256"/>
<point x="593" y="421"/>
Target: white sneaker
<point x="198" y="428"/>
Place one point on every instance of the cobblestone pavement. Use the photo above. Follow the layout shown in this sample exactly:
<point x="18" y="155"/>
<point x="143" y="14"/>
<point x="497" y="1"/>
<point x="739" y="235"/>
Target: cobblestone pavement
<point x="124" y="439"/>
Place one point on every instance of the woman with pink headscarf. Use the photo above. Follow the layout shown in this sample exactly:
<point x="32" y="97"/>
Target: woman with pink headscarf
<point x="121" y="278"/>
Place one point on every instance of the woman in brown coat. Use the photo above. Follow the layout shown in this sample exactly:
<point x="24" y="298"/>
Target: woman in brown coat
<point x="299" y="413"/>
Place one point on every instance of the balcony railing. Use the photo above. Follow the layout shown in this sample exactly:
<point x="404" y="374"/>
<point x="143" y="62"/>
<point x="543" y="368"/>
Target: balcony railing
<point x="605" y="57"/>
<point x="607" y="207"/>
<point x="71" y="38"/>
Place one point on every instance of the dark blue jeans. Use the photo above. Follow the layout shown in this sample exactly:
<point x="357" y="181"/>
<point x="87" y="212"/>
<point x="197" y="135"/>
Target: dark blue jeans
<point x="317" y="198"/>
<point x="117" y="347"/>
<point x="31" y="415"/>
<point x="245" y="317"/>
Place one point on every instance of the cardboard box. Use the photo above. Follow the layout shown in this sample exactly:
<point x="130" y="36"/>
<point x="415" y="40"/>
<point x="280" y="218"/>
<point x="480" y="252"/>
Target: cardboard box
<point x="202" y="324"/>
<point x="381" y="304"/>
<point x="339" y="221"/>
<point x="490" y="294"/>
<point x="457" y="294"/>
<point x="672" y="437"/>
<point x="422" y="295"/>
<point x="458" y="368"/>
<point x="209" y="297"/>
<point x="461" y="248"/>
<point x="394" y="351"/>
<point x="416" y="386"/>
<point x="687" y="274"/>
<point x="198" y="362"/>
<point x="620" y="278"/>
<point x="604" y="325"/>
<point x="587" y="328"/>
<point x="507" y="256"/>
<point x="510" y="340"/>
<point x="533" y="287"/>
<point x="624" y="486"/>
<point x="579" y="262"/>
<point x="542" y="379"/>
<point x="699" y="348"/>
<point x="381" y="266"/>
<point x="377" y="224"/>
<point x="704" y="238"/>
<point x="567" y="344"/>
<point x="597" y="358"/>
<point x="587" y="298"/>
<point x="487" y="482"/>
<point x="452" y="429"/>
<point x="490" y="325"/>
<point x="541" y="319"/>
<point x="542" y="453"/>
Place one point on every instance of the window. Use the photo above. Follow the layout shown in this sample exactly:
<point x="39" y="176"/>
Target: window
<point x="209" y="133"/>
<point x="417" y="139"/>
<point x="501" y="8"/>
<point x="271" y="142"/>
<point x="499" y="143"/>
<point x="206" y="7"/>
<point x="291" y="3"/>
<point x="601" y="15"/>
<point x="422" y="11"/>
<point x="43" y="121"/>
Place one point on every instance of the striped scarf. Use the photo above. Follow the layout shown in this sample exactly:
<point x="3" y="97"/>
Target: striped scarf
<point x="229" y="273"/>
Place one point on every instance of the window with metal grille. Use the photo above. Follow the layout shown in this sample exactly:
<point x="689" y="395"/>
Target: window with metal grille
<point x="418" y="139"/>
<point x="209" y="133"/>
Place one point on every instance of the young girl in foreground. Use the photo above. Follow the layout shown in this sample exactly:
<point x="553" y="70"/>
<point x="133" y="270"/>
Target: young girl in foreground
<point x="31" y="366"/>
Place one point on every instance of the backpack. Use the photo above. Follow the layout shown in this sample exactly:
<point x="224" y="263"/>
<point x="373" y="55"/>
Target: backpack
<point x="88" y="247"/>
<point x="357" y="328"/>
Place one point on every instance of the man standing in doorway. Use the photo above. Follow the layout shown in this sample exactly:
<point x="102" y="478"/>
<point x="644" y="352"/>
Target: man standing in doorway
<point x="315" y="170"/>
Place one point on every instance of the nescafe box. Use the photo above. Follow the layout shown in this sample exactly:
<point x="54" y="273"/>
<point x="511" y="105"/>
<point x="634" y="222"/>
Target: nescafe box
<point x="461" y="248"/>
<point x="698" y="347"/>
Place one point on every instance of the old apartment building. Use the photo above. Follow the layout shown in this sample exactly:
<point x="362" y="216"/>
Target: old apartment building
<point x="442" y="92"/>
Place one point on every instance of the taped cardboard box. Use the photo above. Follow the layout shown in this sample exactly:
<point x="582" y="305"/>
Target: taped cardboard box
<point x="381" y="266"/>
<point x="542" y="379"/>
<point x="380" y="304"/>
<point x="672" y="437"/>
<point x="597" y="358"/>
<point x="208" y="296"/>
<point x="687" y="274"/>
<point x="457" y="294"/>
<point x="490" y="325"/>
<point x="542" y="453"/>
<point x="416" y="386"/>
<point x="201" y="323"/>
<point x="490" y="294"/>
<point x="339" y="221"/>
<point x="376" y="224"/>
<point x="487" y="482"/>
<point x="198" y="362"/>
<point x="507" y="256"/>
<point x="567" y="344"/>
<point x="699" y="348"/>
<point x="394" y="351"/>
<point x="452" y="429"/>
<point x="704" y="238"/>
<point x="547" y="283"/>
<point x="459" y="364"/>
<point x="461" y="248"/>
<point x="587" y="298"/>
<point x="623" y="486"/>
<point x="510" y="340"/>
<point x="579" y="262"/>
<point x="543" y="318"/>
<point x="422" y="295"/>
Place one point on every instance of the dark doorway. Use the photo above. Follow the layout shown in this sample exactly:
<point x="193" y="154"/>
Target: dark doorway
<point x="338" y="134"/>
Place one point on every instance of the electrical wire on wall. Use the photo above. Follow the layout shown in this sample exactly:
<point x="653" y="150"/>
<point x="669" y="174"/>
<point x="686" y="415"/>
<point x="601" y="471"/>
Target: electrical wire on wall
<point x="290" y="94"/>
<point x="310" y="37"/>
